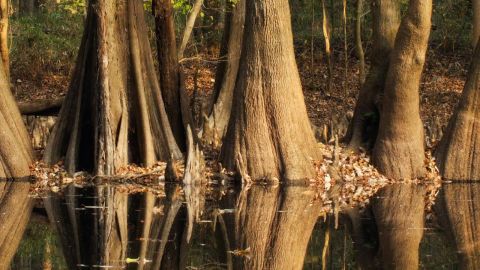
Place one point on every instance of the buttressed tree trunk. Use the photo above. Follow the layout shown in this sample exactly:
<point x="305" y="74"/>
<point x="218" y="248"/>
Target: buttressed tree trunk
<point x="168" y="65"/>
<point x="364" y="125"/>
<point x="113" y="113"/>
<point x="399" y="148"/>
<point x="15" y="158"/>
<point x="458" y="154"/>
<point x="269" y="134"/>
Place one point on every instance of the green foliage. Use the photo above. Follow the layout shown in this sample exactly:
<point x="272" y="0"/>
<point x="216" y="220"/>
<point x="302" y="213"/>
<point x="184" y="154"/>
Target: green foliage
<point x="46" y="42"/>
<point x="73" y="6"/>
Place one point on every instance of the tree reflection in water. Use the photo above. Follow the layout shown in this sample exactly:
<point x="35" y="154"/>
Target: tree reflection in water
<point x="261" y="227"/>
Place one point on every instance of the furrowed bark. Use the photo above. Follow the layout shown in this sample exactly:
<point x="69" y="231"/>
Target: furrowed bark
<point x="269" y="131"/>
<point x="399" y="149"/>
<point x="458" y="153"/>
<point x="113" y="114"/>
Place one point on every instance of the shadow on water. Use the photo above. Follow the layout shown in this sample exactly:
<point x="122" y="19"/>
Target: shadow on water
<point x="257" y="227"/>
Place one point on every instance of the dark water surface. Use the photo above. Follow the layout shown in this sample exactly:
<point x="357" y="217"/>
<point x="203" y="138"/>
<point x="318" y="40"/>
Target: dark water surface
<point x="261" y="227"/>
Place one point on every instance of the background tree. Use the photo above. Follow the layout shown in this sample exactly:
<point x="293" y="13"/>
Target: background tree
<point x="364" y="125"/>
<point x="269" y="133"/>
<point x="113" y="113"/>
<point x="169" y="67"/>
<point x="399" y="148"/>
<point x="216" y="125"/>
<point x="458" y="153"/>
<point x="476" y="22"/>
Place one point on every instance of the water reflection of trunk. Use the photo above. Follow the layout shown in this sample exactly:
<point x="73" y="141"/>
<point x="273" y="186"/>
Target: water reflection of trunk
<point x="92" y="225"/>
<point x="15" y="209"/>
<point x="275" y="224"/>
<point x="101" y="226"/>
<point x="399" y="215"/>
<point x="457" y="209"/>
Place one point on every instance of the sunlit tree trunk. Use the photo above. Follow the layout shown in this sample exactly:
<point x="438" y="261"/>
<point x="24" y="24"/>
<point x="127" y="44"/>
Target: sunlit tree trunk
<point x="16" y="156"/>
<point x="399" y="148"/>
<point x="458" y="154"/>
<point x="269" y="133"/>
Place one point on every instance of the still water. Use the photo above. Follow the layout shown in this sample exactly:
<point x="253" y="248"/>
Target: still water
<point x="258" y="227"/>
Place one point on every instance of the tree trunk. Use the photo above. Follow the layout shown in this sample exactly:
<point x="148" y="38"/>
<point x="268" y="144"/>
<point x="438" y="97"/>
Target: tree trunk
<point x="27" y="7"/>
<point x="276" y="225"/>
<point x="168" y="65"/>
<point x="269" y="133"/>
<point x="192" y="17"/>
<point x="399" y="148"/>
<point x="91" y="224"/>
<point x="399" y="215"/>
<point x="364" y="125"/>
<point x="458" y="154"/>
<point x="16" y="155"/>
<point x="358" y="40"/>
<point x="223" y="56"/>
<point x="4" y="13"/>
<point x="457" y="209"/>
<point x="225" y="83"/>
<point x="476" y="22"/>
<point x="113" y="113"/>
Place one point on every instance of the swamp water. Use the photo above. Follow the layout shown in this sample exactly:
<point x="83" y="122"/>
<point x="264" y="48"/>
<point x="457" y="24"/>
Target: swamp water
<point x="259" y="227"/>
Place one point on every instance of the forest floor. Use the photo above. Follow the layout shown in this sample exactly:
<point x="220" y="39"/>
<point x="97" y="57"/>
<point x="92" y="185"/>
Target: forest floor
<point x="441" y="86"/>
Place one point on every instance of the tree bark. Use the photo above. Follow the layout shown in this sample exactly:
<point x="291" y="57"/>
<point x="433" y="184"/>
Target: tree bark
<point x="458" y="153"/>
<point x="399" y="148"/>
<point x="16" y="155"/>
<point x="364" y="125"/>
<point x="269" y="134"/>
<point x="169" y="67"/>
<point x="113" y="113"/>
